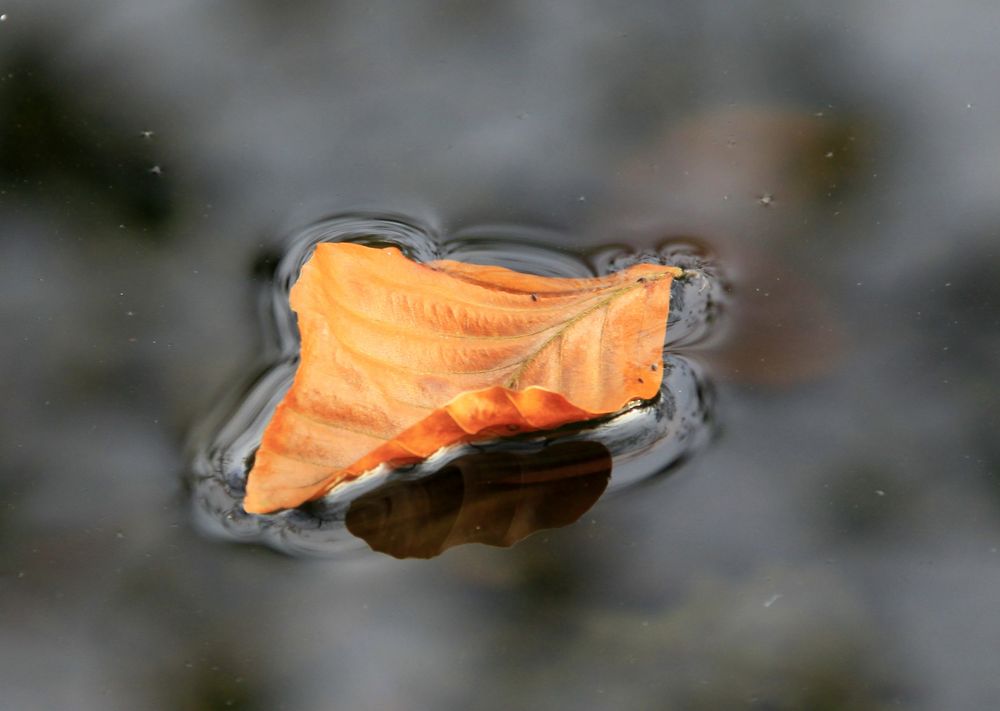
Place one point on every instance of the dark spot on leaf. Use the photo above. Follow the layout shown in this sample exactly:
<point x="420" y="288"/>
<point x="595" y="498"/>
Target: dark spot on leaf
<point x="653" y="367"/>
<point x="534" y="297"/>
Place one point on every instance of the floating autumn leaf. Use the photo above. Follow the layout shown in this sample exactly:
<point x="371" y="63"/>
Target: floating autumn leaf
<point x="399" y="359"/>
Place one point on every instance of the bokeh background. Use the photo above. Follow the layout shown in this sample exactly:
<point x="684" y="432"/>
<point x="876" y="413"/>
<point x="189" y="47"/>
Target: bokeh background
<point x="836" y="547"/>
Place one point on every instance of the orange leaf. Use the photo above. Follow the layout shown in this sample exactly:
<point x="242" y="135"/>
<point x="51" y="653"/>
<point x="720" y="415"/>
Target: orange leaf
<point x="400" y="359"/>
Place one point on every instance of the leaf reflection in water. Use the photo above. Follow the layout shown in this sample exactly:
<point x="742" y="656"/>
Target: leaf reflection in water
<point x="496" y="498"/>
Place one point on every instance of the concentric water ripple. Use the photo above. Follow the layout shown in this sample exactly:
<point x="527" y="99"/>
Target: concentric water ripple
<point x="503" y="483"/>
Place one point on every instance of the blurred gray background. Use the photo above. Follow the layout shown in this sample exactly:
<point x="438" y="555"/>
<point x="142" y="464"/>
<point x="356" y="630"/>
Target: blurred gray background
<point x="835" y="548"/>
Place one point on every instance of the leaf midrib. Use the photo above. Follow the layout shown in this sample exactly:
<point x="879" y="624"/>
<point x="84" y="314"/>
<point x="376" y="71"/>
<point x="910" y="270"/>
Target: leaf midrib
<point x="511" y="382"/>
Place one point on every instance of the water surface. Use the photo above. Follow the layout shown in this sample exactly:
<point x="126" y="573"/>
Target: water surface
<point x="835" y="546"/>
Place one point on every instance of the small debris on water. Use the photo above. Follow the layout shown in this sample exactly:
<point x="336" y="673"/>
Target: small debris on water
<point x="156" y="170"/>
<point x="147" y="134"/>
<point x="879" y="492"/>
<point x="767" y="199"/>
<point x="773" y="599"/>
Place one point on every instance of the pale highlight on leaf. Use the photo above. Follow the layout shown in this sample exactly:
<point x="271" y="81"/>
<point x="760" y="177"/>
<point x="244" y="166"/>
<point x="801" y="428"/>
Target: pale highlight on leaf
<point x="399" y="359"/>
